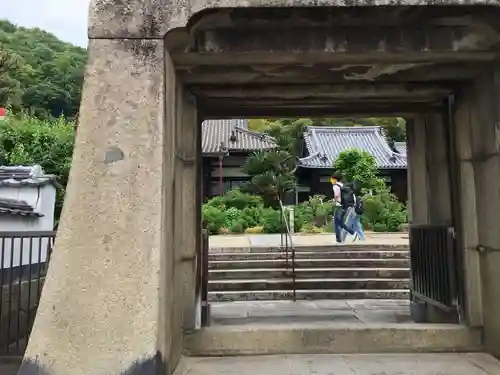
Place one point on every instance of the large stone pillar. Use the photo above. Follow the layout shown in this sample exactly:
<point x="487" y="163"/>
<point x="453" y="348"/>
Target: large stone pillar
<point x="187" y="204"/>
<point x="429" y="185"/>
<point x="468" y="212"/>
<point x="417" y="171"/>
<point x="429" y="181"/>
<point x="437" y="167"/>
<point x="477" y="119"/>
<point x="107" y="303"/>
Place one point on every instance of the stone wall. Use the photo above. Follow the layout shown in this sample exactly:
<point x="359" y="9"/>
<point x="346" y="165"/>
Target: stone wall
<point x="477" y="122"/>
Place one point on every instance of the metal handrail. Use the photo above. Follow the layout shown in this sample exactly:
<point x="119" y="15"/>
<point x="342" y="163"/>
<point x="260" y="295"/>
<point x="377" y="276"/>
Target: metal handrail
<point x="287" y="237"/>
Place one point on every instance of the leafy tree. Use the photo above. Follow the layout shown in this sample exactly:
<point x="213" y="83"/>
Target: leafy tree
<point x="288" y="134"/>
<point x="272" y="174"/>
<point x="39" y="72"/>
<point x="27" y="140"/>
<point x="361" y="166"/>
<point x="383" y="211"/>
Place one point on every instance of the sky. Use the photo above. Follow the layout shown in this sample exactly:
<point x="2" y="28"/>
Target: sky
<point x="67" y="19"/>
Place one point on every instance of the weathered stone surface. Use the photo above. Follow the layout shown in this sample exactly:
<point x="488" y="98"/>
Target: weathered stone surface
<point x="155" y="18"/>
<point x="100" y="307"/>
<point x="389" y="364"/>
<point x="332" y="337"/>
<point x="477" y="121"/>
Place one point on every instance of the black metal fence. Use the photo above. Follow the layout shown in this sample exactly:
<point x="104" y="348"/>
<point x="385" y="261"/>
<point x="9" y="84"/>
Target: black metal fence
<point x="24" y="260"/>
<point x="433" y="265"/>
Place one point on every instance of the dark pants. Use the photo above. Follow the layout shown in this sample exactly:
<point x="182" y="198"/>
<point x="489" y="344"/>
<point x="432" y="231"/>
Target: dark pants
<point x="339" y="221"/>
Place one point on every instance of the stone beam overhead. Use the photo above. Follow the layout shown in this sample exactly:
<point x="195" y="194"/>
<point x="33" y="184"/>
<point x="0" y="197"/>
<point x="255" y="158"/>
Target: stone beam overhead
<point x="326" y="91"/>
<point x="257" y="109"/>
<point x="365" y="40"/>
<point x="333" y="73"/>
<point x="110" y="19"/>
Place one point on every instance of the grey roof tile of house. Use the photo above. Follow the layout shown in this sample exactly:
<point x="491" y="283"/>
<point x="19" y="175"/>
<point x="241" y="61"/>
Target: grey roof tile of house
<point x="222" y="136"/>
<point x="24" y="176"/>
<point x="324" y="144"/>
<point x="17" y="207"/>
<point x="400" y="147"/>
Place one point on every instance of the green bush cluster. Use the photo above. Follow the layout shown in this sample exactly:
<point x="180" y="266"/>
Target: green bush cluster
<point x="384" y="213"/>
<point x="237" y="211"/>
<point x="234" y="211"/>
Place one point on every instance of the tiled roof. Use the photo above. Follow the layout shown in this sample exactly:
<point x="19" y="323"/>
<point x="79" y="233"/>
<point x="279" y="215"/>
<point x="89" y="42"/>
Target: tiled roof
<point x="400" y="147"/>
<point x="24" y="176"/>
<point x="324" y="144"/>
<point x="17" y="207"/>
<point x="222" y="136"/>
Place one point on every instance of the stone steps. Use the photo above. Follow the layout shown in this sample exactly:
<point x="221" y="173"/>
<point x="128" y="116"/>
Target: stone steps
<point x="307" y="294"/>
<point x="309" y="263"/>
<point x="309" y="255"/>
<point x="308" y="273"/>
<point x="325" y="338"/>
<point x="322" y="283"/>
<point x="326" y="272"/>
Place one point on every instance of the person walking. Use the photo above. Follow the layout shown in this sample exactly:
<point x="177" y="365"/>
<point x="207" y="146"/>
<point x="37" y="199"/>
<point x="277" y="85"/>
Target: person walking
<point x="344" y="200"/>
<point x="359" y="210"/>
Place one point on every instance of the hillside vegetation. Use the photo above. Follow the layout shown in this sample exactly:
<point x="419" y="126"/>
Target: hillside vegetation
<point x="39" y="73"/>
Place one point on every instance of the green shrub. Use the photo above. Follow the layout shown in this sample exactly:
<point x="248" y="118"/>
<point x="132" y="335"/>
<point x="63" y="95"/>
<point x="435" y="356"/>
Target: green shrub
<point x="213" y="219"/>
<point x="218" y="202"/>
<point x="232" y="214"/>
<point x="315" y="210"/>
<point x="252" y="216"/>
<point x="383" y="212"/>
<point x="238" y="226"/>
<point x="240" y="200"/>
<point x="301" y="216"/>
<point x="379" y="227"/>
<point x="271" y="220"/>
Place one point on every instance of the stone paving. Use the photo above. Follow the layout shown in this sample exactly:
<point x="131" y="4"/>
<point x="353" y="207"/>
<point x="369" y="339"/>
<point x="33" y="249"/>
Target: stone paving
<point x="10" y="367"/>
<point x="332" y="311"/>
<point x="358" y="364"/>
<point x="323" y="239"/>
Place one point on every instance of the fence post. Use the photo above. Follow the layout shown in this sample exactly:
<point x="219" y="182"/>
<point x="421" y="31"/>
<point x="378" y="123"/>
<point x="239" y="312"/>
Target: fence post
<point x="291" y="220"/>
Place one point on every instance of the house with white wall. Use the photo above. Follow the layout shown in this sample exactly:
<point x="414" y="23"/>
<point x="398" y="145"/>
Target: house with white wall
<point x="27" y="207"/>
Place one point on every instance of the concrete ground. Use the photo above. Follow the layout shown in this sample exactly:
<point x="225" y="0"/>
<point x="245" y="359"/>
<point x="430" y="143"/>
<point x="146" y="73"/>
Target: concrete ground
<point x="331" y="311"/>
<point x="357" y="364"/>
<point x="323" y="239"/>
<point x="9" y="367"/>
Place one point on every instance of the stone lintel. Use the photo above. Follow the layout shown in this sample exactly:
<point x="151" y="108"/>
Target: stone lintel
<point x="331" y="73"/>
<point x="224" y="109"/>
<point x="101" y="306"/>
<point x="115" y="19"/>
<point x="356" y="40"/>
<point x="352" y="90"/>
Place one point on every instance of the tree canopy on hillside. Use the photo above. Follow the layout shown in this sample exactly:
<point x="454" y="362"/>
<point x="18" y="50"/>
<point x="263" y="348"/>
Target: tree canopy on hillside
<point x="394" y="127"/>
<point x="39" y="73"/>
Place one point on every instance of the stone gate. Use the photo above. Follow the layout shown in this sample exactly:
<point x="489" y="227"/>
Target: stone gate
<point x="120" y="291"/>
